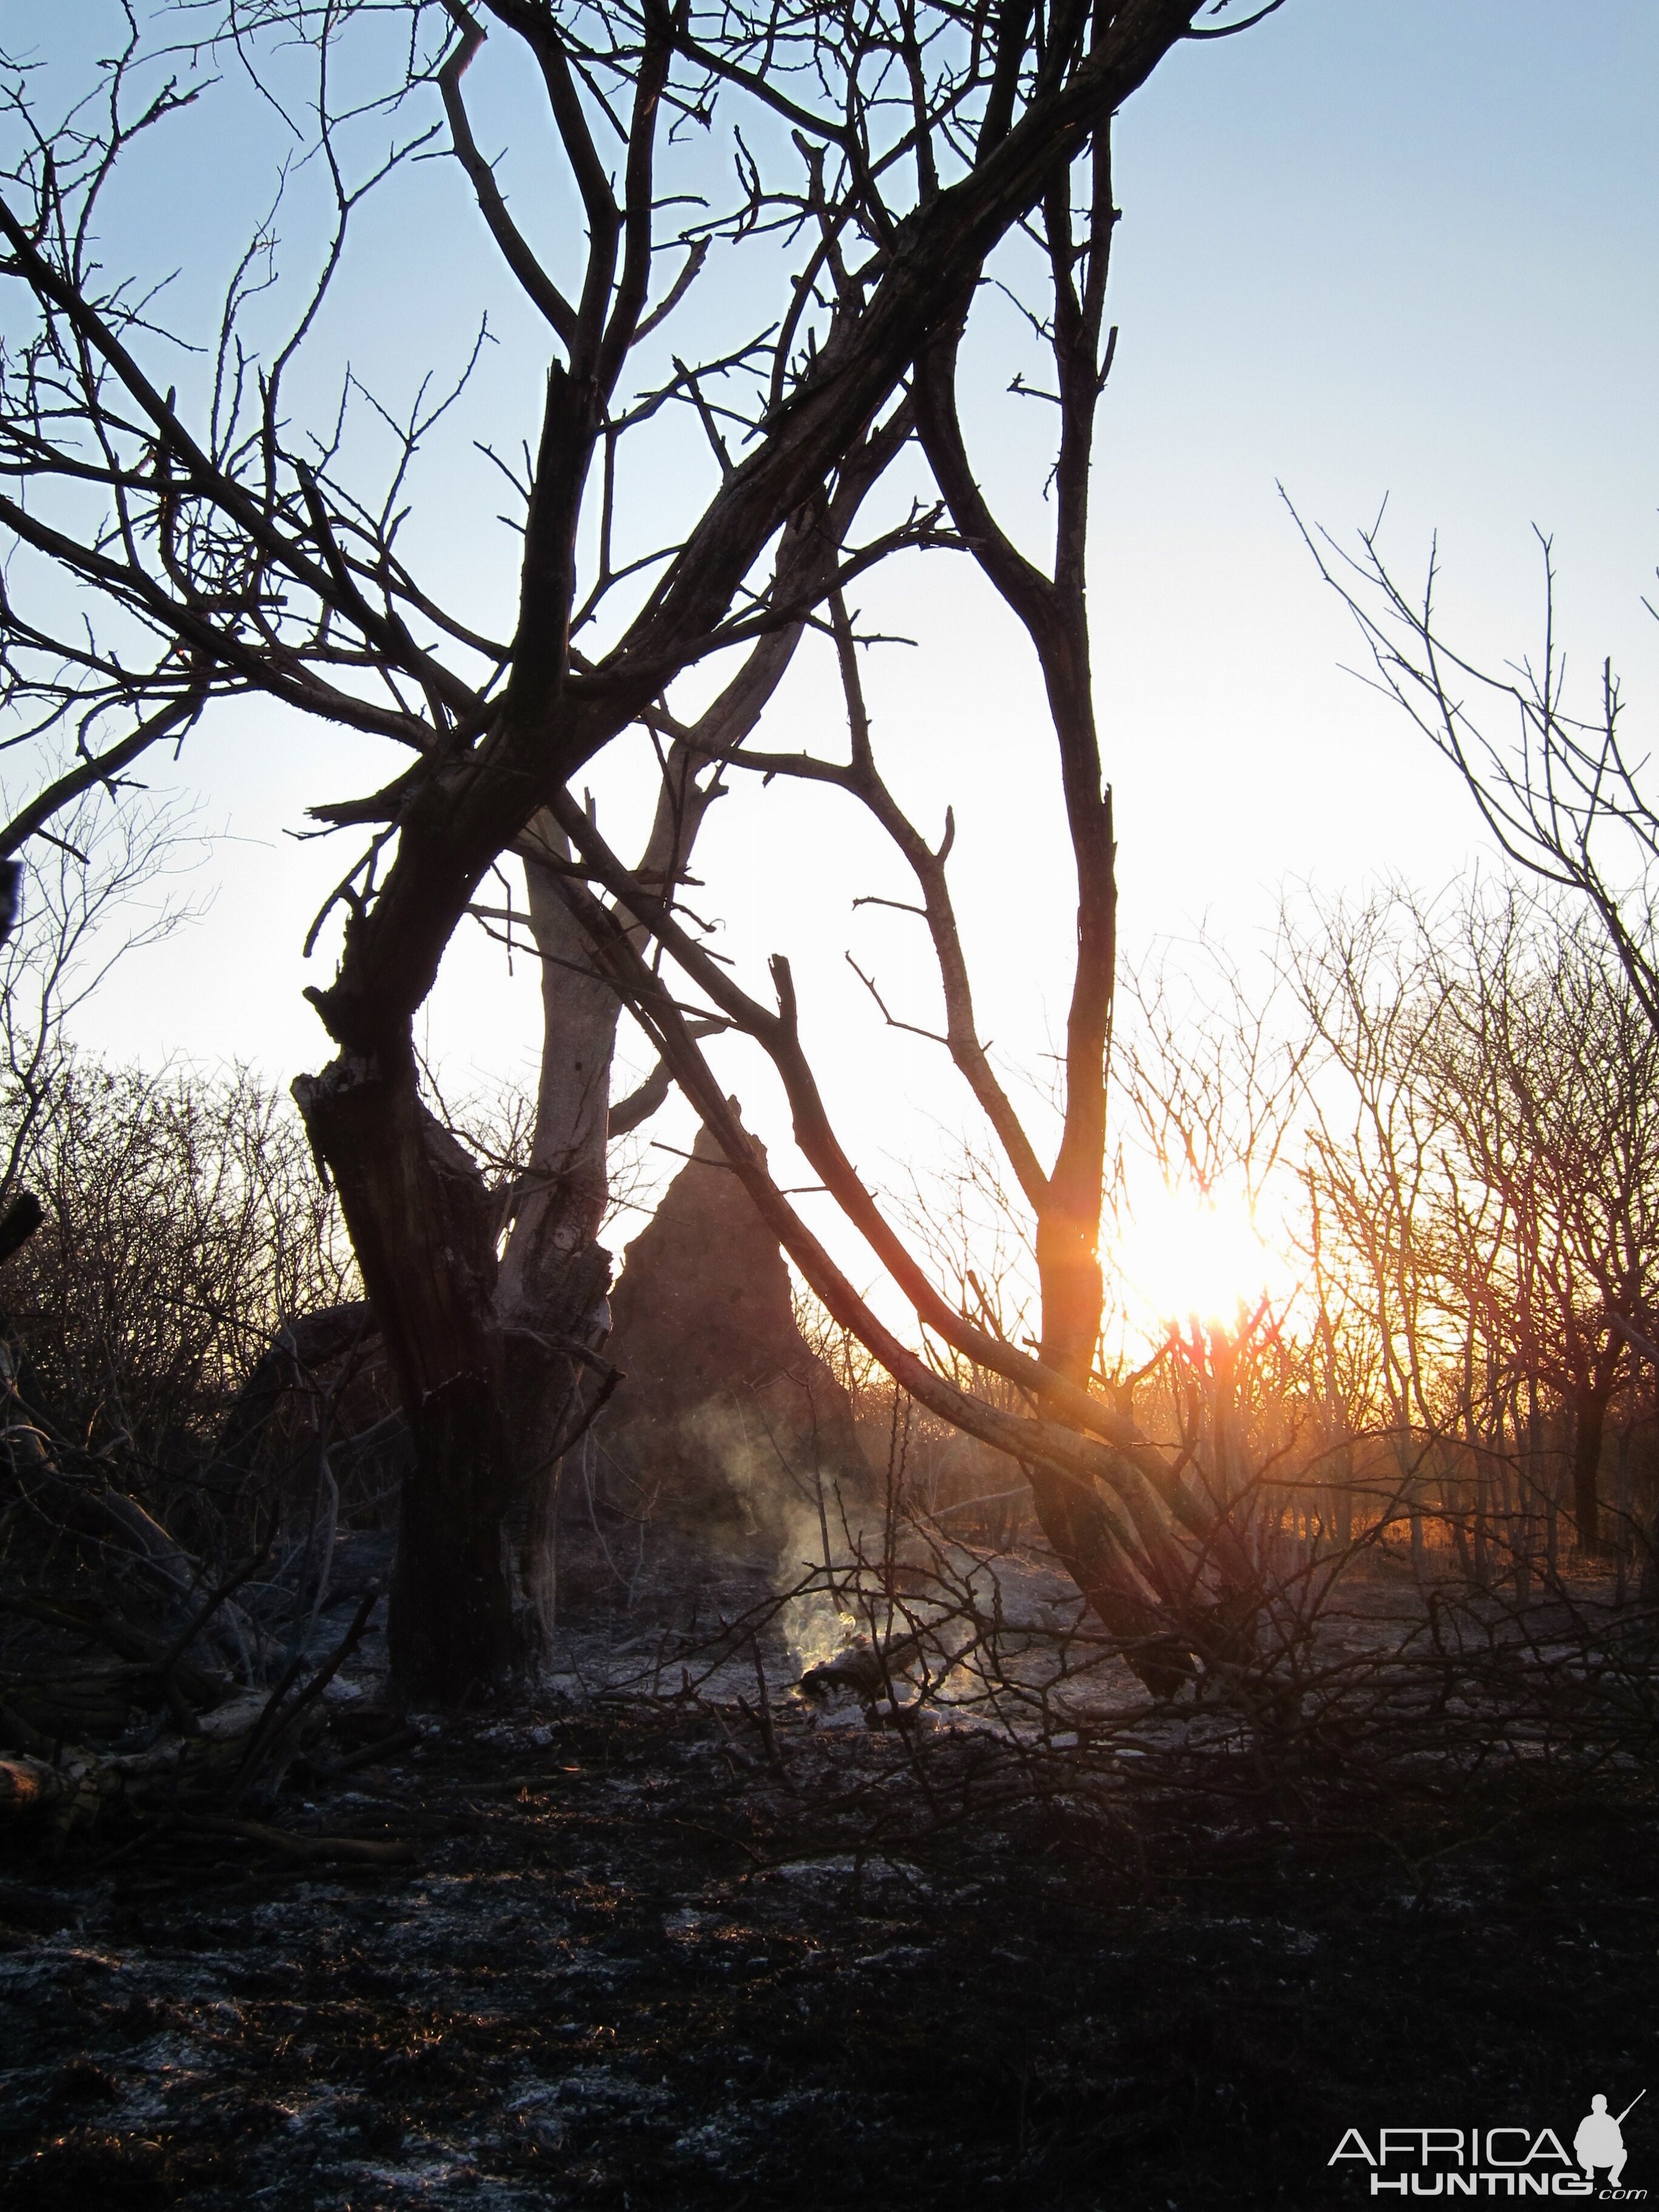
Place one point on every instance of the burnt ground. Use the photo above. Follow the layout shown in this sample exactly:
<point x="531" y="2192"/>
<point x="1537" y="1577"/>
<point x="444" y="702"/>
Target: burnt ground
<point x="625" y="1964"/>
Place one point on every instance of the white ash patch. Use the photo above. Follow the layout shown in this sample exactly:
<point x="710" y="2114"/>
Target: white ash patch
<point x="843" y="1868"/>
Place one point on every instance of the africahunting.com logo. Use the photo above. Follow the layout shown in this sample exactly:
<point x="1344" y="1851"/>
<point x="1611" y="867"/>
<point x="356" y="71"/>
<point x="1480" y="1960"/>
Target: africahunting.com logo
<point x="1496" y="2161"/>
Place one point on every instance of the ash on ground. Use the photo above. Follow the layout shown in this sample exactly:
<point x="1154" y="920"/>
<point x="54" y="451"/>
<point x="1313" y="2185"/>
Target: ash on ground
<point x="669" y="1943"/>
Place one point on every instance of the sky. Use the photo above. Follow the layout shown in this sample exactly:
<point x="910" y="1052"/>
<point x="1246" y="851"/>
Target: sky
<point x="1374" y="250"/>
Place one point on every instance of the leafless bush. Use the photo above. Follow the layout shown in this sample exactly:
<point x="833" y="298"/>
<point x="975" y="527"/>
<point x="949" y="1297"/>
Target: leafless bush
<point x="184" y="1223"/>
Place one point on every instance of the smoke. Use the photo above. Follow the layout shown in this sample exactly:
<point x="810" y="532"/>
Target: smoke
<point x="816" y="1629"/>
<point x="785" y="1520"/>
<point x="815" y="1623"/>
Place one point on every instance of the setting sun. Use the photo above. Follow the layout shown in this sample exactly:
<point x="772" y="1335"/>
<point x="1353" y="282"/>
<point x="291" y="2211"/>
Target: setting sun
<point x="1184" y="1254"/>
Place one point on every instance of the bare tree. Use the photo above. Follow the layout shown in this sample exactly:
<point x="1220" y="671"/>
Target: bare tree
<point x="232" y="553"/>
<point x="1567" y="800"/>
<point x="92" y="891"/>
<point x="1487" y="1169"/>
<point x="1549" y="1066"/>
<point x="1563" y="793"/>
<point x="1163" y="1568"/>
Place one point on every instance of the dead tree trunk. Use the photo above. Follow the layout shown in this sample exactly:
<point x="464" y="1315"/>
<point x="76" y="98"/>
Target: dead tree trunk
<point x="550" y="1304"/>
<point x="1590" y="1417"/>
<point x="1067" y="1200"/>
<point x="422" y="1225"/>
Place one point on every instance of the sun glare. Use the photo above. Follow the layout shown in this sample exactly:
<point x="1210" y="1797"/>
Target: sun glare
<point x="1187" y="1256"/>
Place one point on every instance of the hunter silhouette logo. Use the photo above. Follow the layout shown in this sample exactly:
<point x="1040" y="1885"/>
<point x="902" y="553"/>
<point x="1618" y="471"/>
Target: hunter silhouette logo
<point x="1600" y="2140"/>
<point x="1509" y="2161"/>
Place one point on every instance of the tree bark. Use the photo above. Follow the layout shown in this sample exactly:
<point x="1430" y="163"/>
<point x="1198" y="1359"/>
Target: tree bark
<point x="1590" y="1415"/>
<point x="421" y="1225"/>
<point x="550" y="1302"/>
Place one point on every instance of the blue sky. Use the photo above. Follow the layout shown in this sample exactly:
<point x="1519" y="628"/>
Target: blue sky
<point x="1377" y="247"/>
